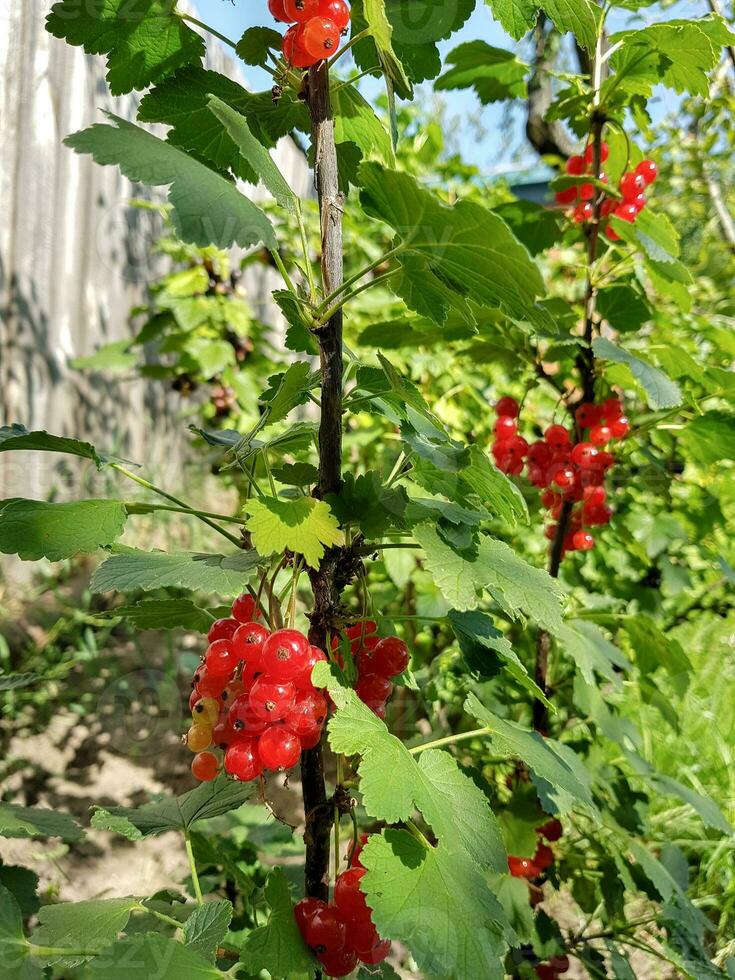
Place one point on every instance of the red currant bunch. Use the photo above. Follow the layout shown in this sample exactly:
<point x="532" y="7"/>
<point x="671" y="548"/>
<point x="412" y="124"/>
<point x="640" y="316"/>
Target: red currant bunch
<point x="530" y="868"/>
<point x="556" y="966"/>
<point x="316" y="31"/>
<point x="632" y="187"/>
<point x="342" y="934"/>
<point x="252" y="698"/>
<point x="567" y="471"/>
<point x="378" y="661"/>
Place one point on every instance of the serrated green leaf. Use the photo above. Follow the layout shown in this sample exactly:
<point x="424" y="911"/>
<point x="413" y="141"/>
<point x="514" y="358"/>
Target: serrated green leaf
<point x="710" y="438"/>
<point x="592" y="652"/>
<point x="535" y="226"/>
<point x="34" y="822"/>
<point x="578" y="17"/>
<point x="278" y="946"/>
<point x="366" y="503"/>
<point x="494" y="488"/>
<point x="660" y="390"/>
<point x="151" y="955"/>
<point x="625" y="309"/>
<point x="494" y="74"/>
<point x="144" y="40"/>
<point x="22" y="883"/>
<point x="206" y="928"/>
<point x="132" y="570"/>
<point x="288" y="390"/>
<point x="462" y="252"/>
<point x="175" y="812"/>
<point x="543" y="756"/>
<point x="381" y="33"/>
<point x="256" y="42"/>
<point x="165" y="614"/>
<point x="14" y="949"/>
<point x="516" y="16"/>
<point x="436" y="902"/>
<point x="355" y="122"/>
<point x="90" y="926"/>
<point x="34" y="529"/>
<point x="16" y="438"/>
<point x="457" y="810"/>
<point x="304" y="526"/>
<point x="207" y="208"/>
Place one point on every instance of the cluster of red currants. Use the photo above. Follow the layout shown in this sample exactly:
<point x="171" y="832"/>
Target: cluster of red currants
<point x="252" y="698"/>
<point x="342" y="934"/>
<point x="317" y="27"/>
<point x="544" y="856"/>
<point x="377" y="660"/>
<point x="632" y="189"/>
<point x="568" y="471"/>
<point x="553" y="969"/>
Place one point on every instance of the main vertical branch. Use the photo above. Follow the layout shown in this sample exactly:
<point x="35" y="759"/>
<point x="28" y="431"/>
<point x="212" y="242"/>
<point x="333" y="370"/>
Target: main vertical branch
<point x="325" y="580"/>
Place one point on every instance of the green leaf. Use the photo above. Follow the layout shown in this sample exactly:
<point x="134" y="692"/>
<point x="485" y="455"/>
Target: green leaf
<point x="482" y="645"/>
<point x="132" y="570"/>
<point x="165" y="614"/>
<point x="14" y="949"/>
<point x="535" y="226"/>
<point x="255" y="43"/>
<point x="34" y="529"/>
<point x="436" y="902"/>
<point x="494" y="74"/>
<point x="494" y="488"/>
<point x="460" y="252"/>
<point x="304" y="526"/>
<point x="381" y="33"/>
<point x="113" y="357"/>
<point x="705" y="806"/>
<point x="277" y="947"/>
<point x="458" y="579"/>
<point x="174" y="812"/>
<point x="89" y="926"/>
<point x="654" y="235"/>
<point x="254" y="152"/>
<point x="22" y="883"/>
<point x="355" y="122"/>
<point x="33" y="822"/>
<point x="661" y="391"/>
<point x="11" y="682"/>
<point x="144" y="40"/>
<point x="626" y="309"/>
<point x="366" y="503"/>
<point x="545" y="757"/>
<point x="206" y="928"/>
<point x="516" y="16"/>
<point x="151" y="955"/>
<point x="710" y="438"/>
<point x="16" y="438"/>
<point x="578" y="17"/>
<point x="288" y="390"/>
<point x="207" y="208"/>
<point x="592" y="652"/>
<point x="457" y="810"/>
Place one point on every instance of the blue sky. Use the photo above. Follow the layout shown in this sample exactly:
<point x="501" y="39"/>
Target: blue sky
<point x="489" y="137"/>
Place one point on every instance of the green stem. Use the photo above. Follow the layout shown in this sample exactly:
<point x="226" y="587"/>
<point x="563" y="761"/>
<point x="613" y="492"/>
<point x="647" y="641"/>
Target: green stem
<point x="276" y="255"/>
<point x="368" y="549"/>
<point x="449" y="740"/>
<point x="352" y="42"/>
<point x="193" y="867"/>
<point x="414" y="830"/>
<point x="305" y="249"/>
<point x="379" y="280"/>
<point x="386" y="257"/>
<point x="175" y="500"/>
<point x="266" y="464"/>
<point x="48" y="951"/>
<point x="168" y="919"/>
<point x="132" y="506"/>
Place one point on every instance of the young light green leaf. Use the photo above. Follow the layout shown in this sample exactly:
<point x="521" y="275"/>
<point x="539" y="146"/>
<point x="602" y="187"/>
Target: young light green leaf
<point x="494" y="74"/>
<point x="223" y="574"/>
<point x="165" y="614"/>
<point x="464" y="251"/>
<point x="174" y="812"/>
<point x="206" y="928"/>
<point x="151" y="955"/>
<point x="543" y="756"/>
<point x="16" y="438"/>
<point x="304" y="526"/>
<point x="34" y="822"/>
<point x="277" y="946"/>
<point x="91" y="926"/>
<point x="437" y="902"/>
<point x="288" y="390"/>
<point x="710" y="438"/>
<point x="457" y="810"/>
<point x="113" y="357"/>
<point x="254" y="152"/>
<point x="34" y="529"/>
<point x="207" y="208"/>
<point x="661" y="391"/>
<point x="143" y="42"/>
<point x="381" y="32"/>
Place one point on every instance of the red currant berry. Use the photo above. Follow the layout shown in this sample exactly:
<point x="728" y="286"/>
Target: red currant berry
<point x="648" y="170"/>
<point x="505" y="428"/>
<point x="594" y="495"/>
<point x="223" y="733"/>
<point x="597" y="516"/>
<point x="379" y="952"/>
<point x="587" y="415"/>
<point x="550" y="498"/>
<point x="626" y="212"/>
<point x="610" y="233"/>
<point x="522" y="867"/>
<point x="300" y="11"/>
<point x="210" y="686"/>
<point x="567" y="196"/>
<point x="220" y="660"/>
<point x="247" y="644"/>
<point x="285" y="655"/>
<point x="561" y="476"/>
<point x="585" y="454"/>
<point x="312" y="740"/>
<point x="544" y="856"/>
<point x="348" y="897"/>
<point x="362" y="936"/>
<point x="611" y="409"/>
<point x="576" y="166"/>
<point x="293" y="50"/>
<point x="552" y="830"/>
<point x="339" y="964"/>
<point x="589" y="153"/>
<point x="315" y="656"/>
<point x="557" y="436"/>
<point x="583" y="213"/>
<point x="205" y="767"/>
<point x="324" y="932"/>
<point x="244" y="609"/>
<point x="508" y="407"/>
<point x="373" y="689"/>
<point x="600" y="435"/>
<point x="551" y="532"/>
<point x="559" y="963"/>
<point x="586" y="191"/>
<point x="337" y="11"/>
<point x="306" y="909"/>
<point x="631" y="185"/>
<point x="308" y="714"/>
<point x="389" y="658"/>
<point x="233" y="691"/>
<point x="639" y="202"/>
<point x="539" y="453"/>
<point x="222" y="629"/>
<point x="244" y="720"/>
<point x="272" y="700"/>
<point x="546" y="972"/>
<point x="321" y="37"/>
<point x="278" y="11"/>
<point x="361" y="630"/>
<point x="243" y="761"/>
<point x="620" y="427"/>
<point x="279" y="748"/>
